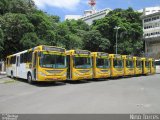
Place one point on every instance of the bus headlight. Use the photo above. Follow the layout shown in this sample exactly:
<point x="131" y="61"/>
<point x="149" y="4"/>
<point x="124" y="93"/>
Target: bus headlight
<point x="64" y="74"/>
<point x="42" y="74"/>
<point x="75" y="74"/>
<point x="91" y="72"/>
<point x="99" y="72"/>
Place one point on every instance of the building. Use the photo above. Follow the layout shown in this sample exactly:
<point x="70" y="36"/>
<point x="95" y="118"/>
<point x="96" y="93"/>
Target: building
<point x="151" y="31"/>
<point x="90" y="15"/>
<point x="72" y="17"/>
<point x="151" y="10"/>
<point x="89" y="18"/>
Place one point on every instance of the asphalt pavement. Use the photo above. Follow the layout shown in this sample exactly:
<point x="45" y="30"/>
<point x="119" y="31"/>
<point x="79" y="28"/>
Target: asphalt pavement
<point x="123" y="95"/>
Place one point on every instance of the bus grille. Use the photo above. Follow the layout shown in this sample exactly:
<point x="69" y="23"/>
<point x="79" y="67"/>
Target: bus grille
<point x="54" y="71"/>
<point x="83" y="71"/>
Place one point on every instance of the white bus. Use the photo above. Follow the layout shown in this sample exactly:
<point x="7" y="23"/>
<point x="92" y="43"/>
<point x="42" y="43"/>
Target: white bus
<point x="157" y="62"/>
<point x="42" y="63"/>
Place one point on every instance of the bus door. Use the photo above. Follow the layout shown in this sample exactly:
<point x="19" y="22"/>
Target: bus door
<point x="17" y="66"/>
<point x="34" y="68"/>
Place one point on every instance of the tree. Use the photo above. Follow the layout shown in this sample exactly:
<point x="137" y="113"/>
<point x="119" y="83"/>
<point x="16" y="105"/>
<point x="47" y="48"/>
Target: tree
<point x="17" y="6"/>
<point x="93" y="41"/>
<point x="25" y="26"/>
<point x="1" y="40"/>
<point x="130" y="33"/>
<point x="30" y="40"/>
<point x="14" y="27"/>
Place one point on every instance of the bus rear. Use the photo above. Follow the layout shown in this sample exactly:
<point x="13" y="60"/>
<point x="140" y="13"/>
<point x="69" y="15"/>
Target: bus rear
<point x="101" y="65"/>
<point x="128" y="65"/>
<point x="79" y="65"/>
<point x="117" y="68"/>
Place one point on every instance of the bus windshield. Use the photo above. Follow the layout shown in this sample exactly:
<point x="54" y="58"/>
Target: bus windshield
<point x="82" y="62"/>
<point x="129" y="63"/>
<point x="147" y="64"/>
<point x="102" y="63"/>
<point x="118" y="63"/>
<point x="139" y="64"/>
<point x="48" y="60"/>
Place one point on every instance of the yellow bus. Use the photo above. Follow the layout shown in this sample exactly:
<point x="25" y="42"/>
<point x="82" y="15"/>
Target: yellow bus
<point x="137" y="65"/>
<point x="117" y="68"/>
<point x="146" y="66"/>
<point x="128" y="65"/>
<point x="79" y="64"/>
<point x="41" y="63"/>
<point x="152" y="66"/>
<point x="101" y="65"/>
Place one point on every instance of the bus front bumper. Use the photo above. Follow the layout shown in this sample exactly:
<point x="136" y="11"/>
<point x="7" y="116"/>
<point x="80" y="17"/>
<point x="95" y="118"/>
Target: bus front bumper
<point x="52" y="78"/>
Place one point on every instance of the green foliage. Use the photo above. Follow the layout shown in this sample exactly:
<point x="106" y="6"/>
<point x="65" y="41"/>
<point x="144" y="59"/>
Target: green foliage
<point x="95" y="42"/>
<point x="16" y="6"/>
<point x="23" y="26"/>
<point x="1" y="40"/>
<point x="129" y="35"/>
<point x="30" y="40"/>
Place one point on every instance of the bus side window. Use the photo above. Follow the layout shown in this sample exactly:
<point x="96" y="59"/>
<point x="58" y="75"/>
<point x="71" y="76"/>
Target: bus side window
<point x="12" y="60"/>
<point x="21" y="58"/>
<point x="7" y="61"/>
<point x="29" y="57"/>
<point x="18" y="61"/>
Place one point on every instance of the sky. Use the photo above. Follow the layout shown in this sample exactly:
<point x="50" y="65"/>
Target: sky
<point x="77" y="7"/>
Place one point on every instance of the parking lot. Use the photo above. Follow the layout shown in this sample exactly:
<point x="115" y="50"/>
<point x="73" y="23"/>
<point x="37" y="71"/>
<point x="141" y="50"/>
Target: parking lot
<point x="123" y="95"/>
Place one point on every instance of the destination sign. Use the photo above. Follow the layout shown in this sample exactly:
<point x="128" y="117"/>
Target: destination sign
<point x="147" y="59"/>
<point x="102" y="54"/>
<point x="117" y="56"/>
<point x="53" y="49"/>
<point x="129" y="57"/>
<point x="82" y="52"/>
<point x="138" y="58"/>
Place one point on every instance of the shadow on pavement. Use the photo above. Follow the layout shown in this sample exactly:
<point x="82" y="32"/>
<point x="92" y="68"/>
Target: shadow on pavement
<point x="77" y="81"/>
<point x="41" y="84"/>
<point x="99" y="80"/>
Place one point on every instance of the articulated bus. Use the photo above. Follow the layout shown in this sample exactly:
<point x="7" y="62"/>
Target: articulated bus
<point x="79" y="64"/>
<point x="101" y="65"/>
<point x="137" y="65"/>
<point x="41" y="63"/>
<point x="128" y="65"/>
<point x="117" y="67"/>
<point x="152" y="66"/>
<point x="146" y="66"/>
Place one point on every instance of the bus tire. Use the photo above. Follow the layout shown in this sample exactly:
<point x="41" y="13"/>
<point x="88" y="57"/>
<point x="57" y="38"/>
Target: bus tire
<point x="29" y="78"/>
<point x="12" y="75"/>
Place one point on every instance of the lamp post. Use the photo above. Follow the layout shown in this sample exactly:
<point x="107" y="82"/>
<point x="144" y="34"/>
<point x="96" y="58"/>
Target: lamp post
<point x="116" y="28"/>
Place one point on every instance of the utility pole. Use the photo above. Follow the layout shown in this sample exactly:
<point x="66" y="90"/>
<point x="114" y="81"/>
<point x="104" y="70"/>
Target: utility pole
<point x="116" y="28"/>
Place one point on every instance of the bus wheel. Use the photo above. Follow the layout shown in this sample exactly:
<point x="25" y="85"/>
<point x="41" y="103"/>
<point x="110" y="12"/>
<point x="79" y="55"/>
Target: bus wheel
<point x="29" y="78"/>
<point x="12" y="75"/>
